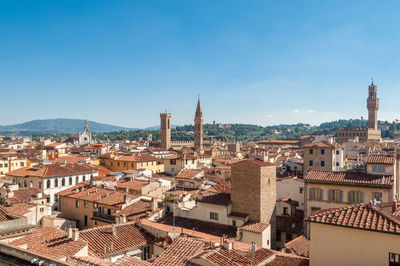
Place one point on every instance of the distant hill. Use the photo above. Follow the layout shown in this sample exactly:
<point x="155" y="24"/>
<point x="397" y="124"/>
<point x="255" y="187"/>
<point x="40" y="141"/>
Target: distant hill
<point x="60" y="125"/>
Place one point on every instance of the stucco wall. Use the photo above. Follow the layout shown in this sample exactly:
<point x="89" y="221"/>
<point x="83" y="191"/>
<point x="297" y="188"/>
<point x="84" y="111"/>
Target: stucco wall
<point x="335" y="245"/>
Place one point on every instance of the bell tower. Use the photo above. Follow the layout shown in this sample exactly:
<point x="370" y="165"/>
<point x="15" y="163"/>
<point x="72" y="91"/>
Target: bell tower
<point x="373" y="106"/>
<point x="198" y="127"/>
<point x="165" y="130"/>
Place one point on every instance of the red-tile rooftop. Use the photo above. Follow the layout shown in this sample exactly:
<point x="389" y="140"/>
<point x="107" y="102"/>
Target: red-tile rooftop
<point x="363" y="216"/>
<point x="102" y="241"/>
<point x="51" y="242"/>
<point x="254" y="227"/>
<point x="350" y="178"/>
<point x="380" y="159"/>
<point x="299" y="246"/>
<point x="50" y="170"/>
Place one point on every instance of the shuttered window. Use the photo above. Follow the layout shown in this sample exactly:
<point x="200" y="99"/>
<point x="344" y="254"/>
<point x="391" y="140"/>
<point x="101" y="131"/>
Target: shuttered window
<point x="335" y="195"/>
<point x="355" y="196"/>
<point x="316" y="194"/>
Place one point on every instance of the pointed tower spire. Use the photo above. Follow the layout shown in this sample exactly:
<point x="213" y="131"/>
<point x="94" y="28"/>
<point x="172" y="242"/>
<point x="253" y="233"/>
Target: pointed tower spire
<point x="86" y="129"/>
<point x="198" y="109"/>
<point x="198" y="127"/>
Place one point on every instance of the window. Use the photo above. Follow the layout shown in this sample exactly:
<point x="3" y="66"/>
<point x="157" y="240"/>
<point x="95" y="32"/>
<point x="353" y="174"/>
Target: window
<point x="377" y="196"/>
<point x="55" y="197"/>
<point x="70" y="181"/>
<point x="40" y="185"/>
<point x="316" y="194"/>
<point x="131" y="164"/>
<point x="63" y="182"/>
<point x="355" y="196"/>
<point x="118" y="163"/>
<point x="394" y="259"/>
<point x="21" y="164"/>
<point x="322" y="163"/>
<point x="337" y="163"/>
<point x="56" y="182"/>
<point x="285" y="211"/>
<point x="77" y="180"/>
<point x="378" y="168"/>
<point x="173" y="161"/>
<point x="6" y="165"/>
<point x="95" y="205"/>
<point x="234" y="222"/>
<point x="278" y="236"/>
<point x="335" y="195"/>
<point x="124" y="164"/>
<point x="337" y="152"/>
<point x="48" y="184"/>
<point x="322" y="151"/>
<point x="109" y="211"/>
<point x="310" y="163"/>
<point x="213" y="216"/>
<point x="301" y="190"/>
<point x="311" y="151"/>
<point x="77" y="203"/>
<point x="41" y="209"/>
<point x="24" y="183"/>
<point x="85" y="219"/>
<point x="84" y="178"/>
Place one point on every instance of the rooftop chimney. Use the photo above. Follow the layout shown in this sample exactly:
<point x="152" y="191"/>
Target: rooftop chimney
<point x="127" y="198"/>
<point x="154" y="204"/>
<point x="70" y="232"/>
<point x="75" y="234"/>
<point x="114" y="230"/>
<point x="394" y="205"/>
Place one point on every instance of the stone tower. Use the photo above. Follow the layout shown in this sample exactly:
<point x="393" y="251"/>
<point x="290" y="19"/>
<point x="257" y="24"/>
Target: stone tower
<point x="253" y="190"/>
<point x="198" y="127"/>
<point x="165" y="130"/>
<point x="373" y="106"/>
<point x="86" y="129"/>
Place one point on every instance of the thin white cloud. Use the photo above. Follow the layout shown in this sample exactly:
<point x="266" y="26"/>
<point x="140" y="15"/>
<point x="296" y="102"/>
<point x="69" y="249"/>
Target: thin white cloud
<point x="296" y="111"/>
<point x="311" y="111"/>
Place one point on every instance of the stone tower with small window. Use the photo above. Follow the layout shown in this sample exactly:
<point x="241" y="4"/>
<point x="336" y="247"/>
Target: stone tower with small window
<point x="198" y="127"/>
<point x="253" y="191"/>
<point x="165" y="130"/>
<point x="373" y="106"/>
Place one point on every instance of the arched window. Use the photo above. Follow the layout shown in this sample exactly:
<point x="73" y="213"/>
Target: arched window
<point x="63" y="182"/>
<point x="77" y="180"/>
<point x="70" y="181"/>
<point x="56" y="182"/>
<point x="48" y="183"/>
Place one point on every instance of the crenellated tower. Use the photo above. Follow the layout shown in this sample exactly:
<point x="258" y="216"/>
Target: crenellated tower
<point x="373" y="106"/>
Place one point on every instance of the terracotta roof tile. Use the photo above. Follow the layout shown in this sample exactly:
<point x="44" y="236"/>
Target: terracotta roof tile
<point x="131" y="261"/>
<point x="52" y="170"/>
<point x="359" y="216"/>
<point x="88" y="261"/>
<point x="50" y="241"/>
<point x="180" y="252"/>
<point x="349" y="178"/>
<point x="380" y="159"/>
<point x="102" y="242"/>
<point x="299" y="246"/>
<point x="20" y="208"/>
<point x="190" y="174"/>
<point x="254" y="227"/>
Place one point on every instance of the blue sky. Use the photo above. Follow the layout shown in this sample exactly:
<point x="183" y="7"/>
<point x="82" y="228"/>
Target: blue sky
<point x="260" y="62"/>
